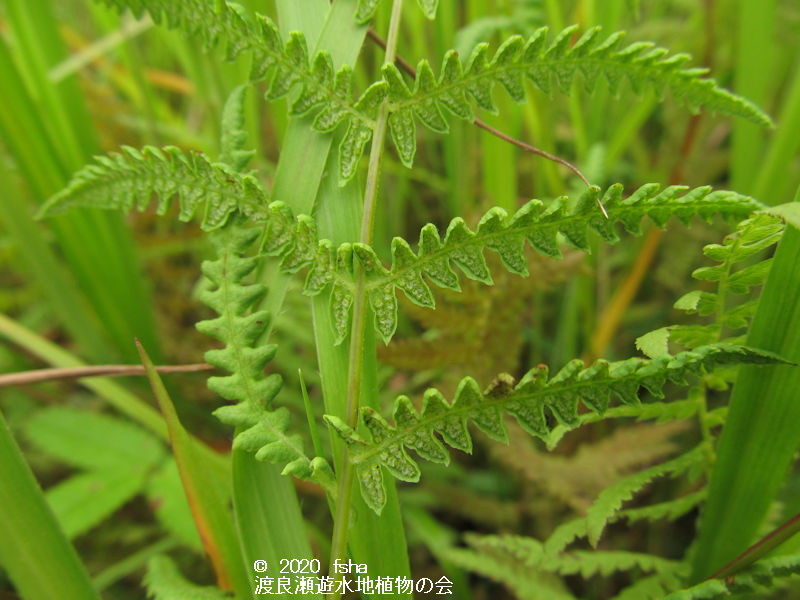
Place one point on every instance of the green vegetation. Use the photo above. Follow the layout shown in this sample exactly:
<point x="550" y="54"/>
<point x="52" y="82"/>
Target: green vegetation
<point x="250" y="190"/>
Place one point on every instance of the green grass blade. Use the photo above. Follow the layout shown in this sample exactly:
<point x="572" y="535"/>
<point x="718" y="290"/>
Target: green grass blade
<point x="270" y="523"/>
<point x="377" y="541"/>
<point x="50" y="134"/>
<point x="755" y="66"/>
<point x="34" y="552"/>
<point x="761" y="434"/>
<point x="774" y="177"/>
<point x="206" y="498"/>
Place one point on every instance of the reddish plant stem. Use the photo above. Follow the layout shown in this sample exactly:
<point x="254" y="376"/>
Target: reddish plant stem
<point x="38" y="375"/>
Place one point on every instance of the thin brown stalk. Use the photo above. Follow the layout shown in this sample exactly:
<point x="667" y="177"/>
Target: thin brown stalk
<point x="405" y="66"/>
<point x="39" y="375"/>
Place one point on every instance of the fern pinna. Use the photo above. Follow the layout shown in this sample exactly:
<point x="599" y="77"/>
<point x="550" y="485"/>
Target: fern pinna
<point x="327" y="93"/>
<point x="131" y="179"/>
<point x="526" y="401"/>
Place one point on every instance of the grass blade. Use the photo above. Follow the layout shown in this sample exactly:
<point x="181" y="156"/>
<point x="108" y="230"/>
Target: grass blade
<point x="270" y="523"/>
<point x="761" y="433"/>
<point x="34" y="552"/>
<point x="206" y="497"/>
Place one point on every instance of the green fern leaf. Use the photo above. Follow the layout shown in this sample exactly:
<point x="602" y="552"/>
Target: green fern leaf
<point x="130" y="178"/>
<point x="670" y="510"/>
<point x="529" y="402"/>
<point x="610" y="500"/>
<point x="758" y="577"/>
<point x="284" y="65"/>
<point x="640" y="63"/>
<point x="522" y="581"/>
<point x="537" y="224"/>
<point x="289" y="64"/>
<point x="329" y="95"/>
<point x="570" y="531"/>
<point x="529" y="553"/>
<point x="653" y="587"/>
<point x="264" y="430"/>
<point x="752" y="236"/>
<point x="234" y="136"/>
<point x="707" y="590"/>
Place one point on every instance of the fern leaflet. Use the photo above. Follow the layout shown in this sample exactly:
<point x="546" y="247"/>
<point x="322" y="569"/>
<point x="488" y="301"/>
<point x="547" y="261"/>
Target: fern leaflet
<point x="610" y="500"/>
<point x="264" y="430"/>
<point x="328" y="94"/>
<point x="504" y="234"/>
<point x="758" y="577"/>
<point x="528" y="552"/>
<point x="526" y="401"/>
<point x="642" y="64"/>
<point x="130" y="178"/>
<point x="752" y="236"/>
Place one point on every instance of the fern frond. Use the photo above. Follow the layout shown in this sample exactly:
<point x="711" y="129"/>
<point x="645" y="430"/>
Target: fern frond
<point x="527" y="401"/>
<point x="131" y="178"/>
<point x="366" y="9"/>
<point x="328" y="94"/>
<point x="758" y="577"/>
<point x="669" y="510"/>
<point x="264" y="429"/>
<point x="653" y="587"/>
<point x="522" y="581"/>
<point x="659" y="412"/>
<point x="570" y="531"/>
<point x="641" y="63"/>
<point x="752" y="236"/>
<point x="576" y="480"/>
<point x="233" y="145"/>
<point x="535" y="222"/>
<point x="529" y="552"/>
<point x="610" y="500"/>
<point x="283" y="64"/>
<point x="523" y="565"/>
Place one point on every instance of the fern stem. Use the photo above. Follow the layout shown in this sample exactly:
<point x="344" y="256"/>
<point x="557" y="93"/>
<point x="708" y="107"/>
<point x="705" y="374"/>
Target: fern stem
<point x="356" y="359"/>
<point x="376" y="150"/>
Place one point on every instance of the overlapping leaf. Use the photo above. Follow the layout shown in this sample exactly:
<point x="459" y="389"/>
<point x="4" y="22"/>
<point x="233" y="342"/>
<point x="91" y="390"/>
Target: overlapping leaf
<point x="537" y="402"/>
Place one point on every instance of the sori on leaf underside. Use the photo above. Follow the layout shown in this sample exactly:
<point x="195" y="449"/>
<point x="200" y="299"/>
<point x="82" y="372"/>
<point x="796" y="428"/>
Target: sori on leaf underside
<point x="327" y="93"/>
<point x="214" y="192"/>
